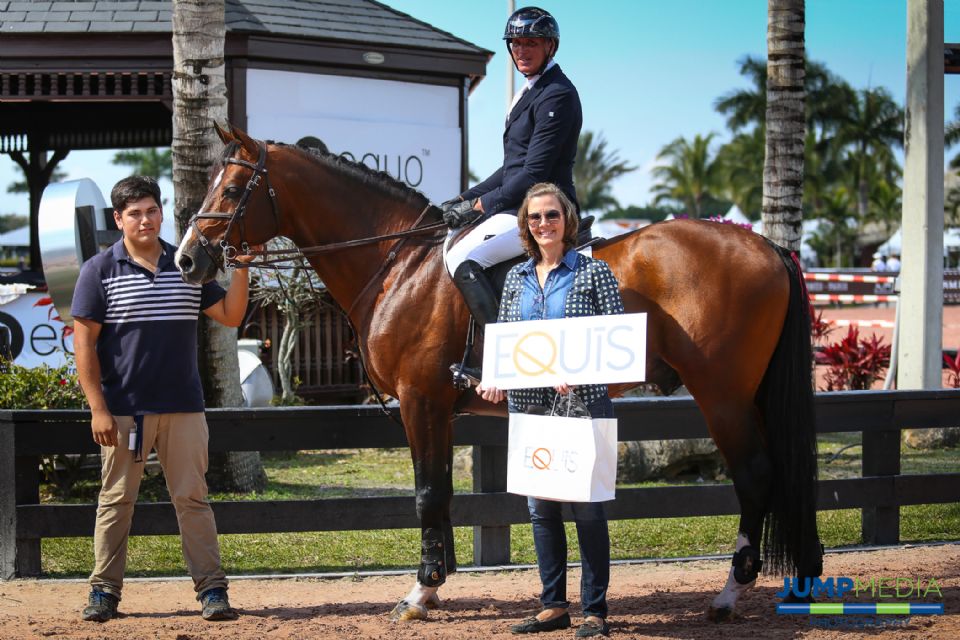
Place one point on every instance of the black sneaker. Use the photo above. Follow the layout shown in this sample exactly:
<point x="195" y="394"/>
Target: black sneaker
<point x="101" y="606"/>
<point x="216" y="606"/>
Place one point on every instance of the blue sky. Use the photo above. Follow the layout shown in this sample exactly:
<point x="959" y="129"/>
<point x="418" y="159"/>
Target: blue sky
<point x="647" y="70"/>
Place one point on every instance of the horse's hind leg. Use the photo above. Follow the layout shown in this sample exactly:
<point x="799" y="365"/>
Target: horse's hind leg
<point x="737" y="434"/>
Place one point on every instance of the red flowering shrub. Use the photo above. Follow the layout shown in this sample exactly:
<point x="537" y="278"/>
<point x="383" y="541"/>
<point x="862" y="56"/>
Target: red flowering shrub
<point x="953" y="369"/>
<point x="854" y="363"/>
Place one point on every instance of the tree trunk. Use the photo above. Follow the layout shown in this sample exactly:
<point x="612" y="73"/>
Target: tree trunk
<point x="782" y="210"/>
<point x="199" y="100"/>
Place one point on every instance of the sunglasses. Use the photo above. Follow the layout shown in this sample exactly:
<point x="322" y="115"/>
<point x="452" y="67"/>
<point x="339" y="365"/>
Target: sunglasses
<point x="549" y="216"/>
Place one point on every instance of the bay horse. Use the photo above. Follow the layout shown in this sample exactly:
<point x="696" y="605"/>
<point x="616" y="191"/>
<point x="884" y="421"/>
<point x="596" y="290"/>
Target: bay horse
<point x="727" y="316"/>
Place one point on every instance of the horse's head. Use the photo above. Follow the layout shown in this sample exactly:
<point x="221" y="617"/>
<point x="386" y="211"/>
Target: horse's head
<point x="240" y="210"/>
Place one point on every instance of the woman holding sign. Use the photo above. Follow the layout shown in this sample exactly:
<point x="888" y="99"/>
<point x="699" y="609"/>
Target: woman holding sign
<point x="557" y="282"/>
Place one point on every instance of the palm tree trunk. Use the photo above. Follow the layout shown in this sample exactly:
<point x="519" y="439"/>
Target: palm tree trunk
<point x="199" y="100"/>
<point x="782" y="208"/>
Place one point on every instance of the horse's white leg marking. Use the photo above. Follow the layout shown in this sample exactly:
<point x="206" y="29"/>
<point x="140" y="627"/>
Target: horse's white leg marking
<point x="423" y="596"/>
<point x="415" y="605"/>
<point x="727" y="599"/>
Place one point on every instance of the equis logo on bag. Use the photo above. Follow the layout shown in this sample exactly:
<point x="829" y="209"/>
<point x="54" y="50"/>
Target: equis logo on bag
<point x="545" y="459"/>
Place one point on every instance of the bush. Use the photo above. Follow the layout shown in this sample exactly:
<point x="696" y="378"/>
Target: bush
<point x="42" y="387"/>
<point x="854" y="363"/>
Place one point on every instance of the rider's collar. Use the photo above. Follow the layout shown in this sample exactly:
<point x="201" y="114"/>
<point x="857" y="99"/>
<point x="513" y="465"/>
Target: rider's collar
<point x="532" y="80"/>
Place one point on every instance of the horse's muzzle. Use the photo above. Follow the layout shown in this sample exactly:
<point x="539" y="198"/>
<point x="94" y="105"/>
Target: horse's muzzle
<point x="195" y="266"/>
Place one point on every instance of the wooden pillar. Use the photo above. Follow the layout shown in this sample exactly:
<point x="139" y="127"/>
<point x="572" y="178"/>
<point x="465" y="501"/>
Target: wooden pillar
<point x="491" y="545"/>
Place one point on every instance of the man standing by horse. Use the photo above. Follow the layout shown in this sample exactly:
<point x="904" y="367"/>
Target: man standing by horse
<point x="136" y="347"/>
<point x="539" y="145"/>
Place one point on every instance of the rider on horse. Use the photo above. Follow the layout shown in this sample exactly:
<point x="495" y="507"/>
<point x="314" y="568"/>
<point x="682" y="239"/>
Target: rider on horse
<point x="539" y="145"/>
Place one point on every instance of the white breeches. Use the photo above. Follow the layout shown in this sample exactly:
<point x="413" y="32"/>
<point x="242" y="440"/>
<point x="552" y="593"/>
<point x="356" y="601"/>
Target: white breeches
<point x="492" y="241"/>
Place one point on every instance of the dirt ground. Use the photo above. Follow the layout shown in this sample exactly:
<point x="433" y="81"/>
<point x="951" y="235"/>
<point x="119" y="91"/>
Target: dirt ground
<point x="646" y="601"/>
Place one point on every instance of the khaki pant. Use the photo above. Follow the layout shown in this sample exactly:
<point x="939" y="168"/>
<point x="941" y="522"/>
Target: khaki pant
<point x="181" y="443"/>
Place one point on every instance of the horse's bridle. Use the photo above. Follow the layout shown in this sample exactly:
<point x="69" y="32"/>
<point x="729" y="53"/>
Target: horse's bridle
<point x="236" y="216"/>
<point x="274" y="257"/>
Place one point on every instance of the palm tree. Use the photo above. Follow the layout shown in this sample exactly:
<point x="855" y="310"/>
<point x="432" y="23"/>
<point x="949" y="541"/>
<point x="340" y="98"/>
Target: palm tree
<point x="691" y="177"/>
<point x="782" y="211"/>
<point x="741" y="162"/>
<point x="146" y="162"/>
<point x="595" y="168"/>
<point x="199" y="100"/>
<point x="746" y="106"/>
<point x="951" y="136"/>
<point x="874" y="124"/>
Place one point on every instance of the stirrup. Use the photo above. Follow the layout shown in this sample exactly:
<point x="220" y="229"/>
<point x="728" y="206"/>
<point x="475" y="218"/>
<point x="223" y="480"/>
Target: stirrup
<point x="464" y="377"/>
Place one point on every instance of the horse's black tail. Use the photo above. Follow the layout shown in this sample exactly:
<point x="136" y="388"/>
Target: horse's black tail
<point x="785" y="399"/>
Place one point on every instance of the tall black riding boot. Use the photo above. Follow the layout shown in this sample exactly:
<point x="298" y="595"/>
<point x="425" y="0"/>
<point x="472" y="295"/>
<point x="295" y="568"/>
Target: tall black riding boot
<point x="481" y="299"/>
<point x="478" y="293"/>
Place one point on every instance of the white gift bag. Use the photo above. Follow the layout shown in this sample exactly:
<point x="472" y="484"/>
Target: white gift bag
<point x="558" y="458"/>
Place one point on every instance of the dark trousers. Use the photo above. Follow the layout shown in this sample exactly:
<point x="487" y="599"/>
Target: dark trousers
<point x="550" y="541"/>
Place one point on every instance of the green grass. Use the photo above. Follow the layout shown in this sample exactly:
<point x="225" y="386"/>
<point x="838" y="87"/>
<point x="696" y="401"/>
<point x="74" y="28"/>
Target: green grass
<point x="365" y="472"/>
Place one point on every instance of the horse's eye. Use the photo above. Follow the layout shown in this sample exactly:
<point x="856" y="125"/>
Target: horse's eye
<point x="232" y="192"/>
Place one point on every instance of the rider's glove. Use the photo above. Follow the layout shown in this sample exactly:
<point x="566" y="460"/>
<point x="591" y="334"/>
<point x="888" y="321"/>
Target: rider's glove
<point x="459" y="213"/>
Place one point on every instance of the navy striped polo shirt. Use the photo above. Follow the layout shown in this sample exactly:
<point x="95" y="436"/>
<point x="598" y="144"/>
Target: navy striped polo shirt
<point x="148" y="339"/>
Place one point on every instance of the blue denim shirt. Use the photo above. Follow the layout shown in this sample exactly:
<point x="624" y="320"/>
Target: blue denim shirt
<point x="548" y="303"/>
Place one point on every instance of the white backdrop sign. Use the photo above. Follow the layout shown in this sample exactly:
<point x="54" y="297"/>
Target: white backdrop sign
<point x="543" y="353"/>
<point x="409" y="130"/>
<point x="37" y="335"/>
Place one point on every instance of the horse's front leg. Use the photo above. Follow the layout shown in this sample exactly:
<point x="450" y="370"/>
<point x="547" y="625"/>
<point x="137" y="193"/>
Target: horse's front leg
<point x="429" y="433"/>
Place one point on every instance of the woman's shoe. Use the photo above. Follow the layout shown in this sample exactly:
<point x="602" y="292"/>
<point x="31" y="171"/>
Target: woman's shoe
<point x="532" y="625"/>
<point x="591" y="628"/>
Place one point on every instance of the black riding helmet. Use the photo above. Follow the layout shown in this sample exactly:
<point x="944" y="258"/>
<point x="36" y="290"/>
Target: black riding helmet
<point x="532" y="22"/>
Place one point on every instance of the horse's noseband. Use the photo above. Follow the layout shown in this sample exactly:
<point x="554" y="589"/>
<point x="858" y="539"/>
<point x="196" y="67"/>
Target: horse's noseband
<point x="236" y="216"/>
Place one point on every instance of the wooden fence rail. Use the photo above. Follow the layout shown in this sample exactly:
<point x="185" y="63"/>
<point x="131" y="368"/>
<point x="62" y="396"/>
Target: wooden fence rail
<point x="25" y="436"/>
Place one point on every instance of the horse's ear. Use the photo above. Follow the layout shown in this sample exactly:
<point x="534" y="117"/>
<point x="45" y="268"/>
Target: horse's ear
<point x="224" y="134"/>
<point x="248" y="143"/>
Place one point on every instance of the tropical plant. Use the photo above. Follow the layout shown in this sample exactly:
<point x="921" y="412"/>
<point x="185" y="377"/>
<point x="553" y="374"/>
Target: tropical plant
<point x="741" y="165"/>
<point x="744" y="107"/>
<point x="689" y="176"/>
<point x="835" y="240"/>
<point x="854" y="363"/>
<point x="146" y="162"/>
<point x="295" y="292"/>
<point x="951" y="136"/>
<point x="11" y="221"/>
<point x="199" y="100"/>
<point x="782" y="208"/>
<point x="595" y="169"/>
<point x="46" y="387"/>
<point x="872" y="126"/>
<point x="21" y="186"/>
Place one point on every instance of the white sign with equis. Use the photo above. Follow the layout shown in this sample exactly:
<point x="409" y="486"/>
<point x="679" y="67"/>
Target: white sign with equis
<point x="575" y="351"/>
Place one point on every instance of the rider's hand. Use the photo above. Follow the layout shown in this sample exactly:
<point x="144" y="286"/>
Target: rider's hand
<point x="461" y="213"/>
<point x="104" y="427"/>
<point x="490" y="394"/>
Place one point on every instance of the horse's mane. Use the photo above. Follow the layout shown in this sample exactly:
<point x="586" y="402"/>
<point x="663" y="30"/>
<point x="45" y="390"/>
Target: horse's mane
<point x="380" y="181"/>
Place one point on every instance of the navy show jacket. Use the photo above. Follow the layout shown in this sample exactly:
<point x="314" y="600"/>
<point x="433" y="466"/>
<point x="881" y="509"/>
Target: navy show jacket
<point x="539" y="145"/>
